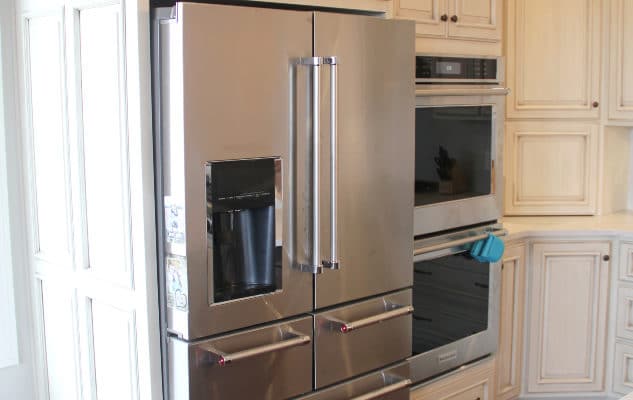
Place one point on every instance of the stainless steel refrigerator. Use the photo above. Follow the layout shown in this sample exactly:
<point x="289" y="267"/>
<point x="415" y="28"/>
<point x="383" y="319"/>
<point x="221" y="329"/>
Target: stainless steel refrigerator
<point x="284" y="165"/>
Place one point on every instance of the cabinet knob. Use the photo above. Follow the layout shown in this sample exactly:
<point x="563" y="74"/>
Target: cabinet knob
<point x="595" y="104"/>
<point x="606" y="258"/>
<point x="444" y="17"/>
<point x="454" y="18"/>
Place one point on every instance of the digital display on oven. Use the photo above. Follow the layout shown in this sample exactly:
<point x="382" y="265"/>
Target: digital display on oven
<point x="448" y="68"/>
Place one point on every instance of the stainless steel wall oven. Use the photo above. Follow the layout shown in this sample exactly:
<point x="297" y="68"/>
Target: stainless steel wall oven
<point x="455" y="300"/>
<point x="459" y="121"/>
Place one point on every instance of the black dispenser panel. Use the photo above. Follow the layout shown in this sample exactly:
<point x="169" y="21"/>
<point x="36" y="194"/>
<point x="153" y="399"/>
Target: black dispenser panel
<point x="244" y="246"/>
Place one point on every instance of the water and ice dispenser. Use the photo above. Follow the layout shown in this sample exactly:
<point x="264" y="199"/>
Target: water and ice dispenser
<point x="243" y="241"/>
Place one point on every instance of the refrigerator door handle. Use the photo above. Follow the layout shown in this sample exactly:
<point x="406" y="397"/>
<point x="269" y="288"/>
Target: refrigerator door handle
<point x="315" y="265"/>
<point x="395" y="311"/>
<point x="222" y="358"/>
<point x="374" y="394"/>
<point x="333" y="262"/>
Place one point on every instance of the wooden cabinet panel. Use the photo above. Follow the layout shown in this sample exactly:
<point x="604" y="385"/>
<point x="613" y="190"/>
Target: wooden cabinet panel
<point x="626" y="261"/>
<point x="472" y="383"/>
<point x="553" y="58"/>
<point x="623" y="368"/>
<point x="426" y="14"/>
<point x="551" y="168"/>
<point x="509" y="355"/>
<point x="476" y="19"/>
<point x="621" y="60"/>
<point x="624" y="328"/>
<point x="569" y="282"/>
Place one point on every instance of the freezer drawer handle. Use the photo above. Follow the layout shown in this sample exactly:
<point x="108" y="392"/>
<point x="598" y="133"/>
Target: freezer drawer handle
<point x="396" y="311"/>
<point x="222" y="358"/>
<point x="384" y="390"/>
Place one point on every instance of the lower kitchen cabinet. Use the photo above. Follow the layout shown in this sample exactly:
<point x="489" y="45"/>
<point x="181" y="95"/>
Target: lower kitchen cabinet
<point x="509" y="354"/>
<point x="568" y="295"/>
<point x="472" y="382"/>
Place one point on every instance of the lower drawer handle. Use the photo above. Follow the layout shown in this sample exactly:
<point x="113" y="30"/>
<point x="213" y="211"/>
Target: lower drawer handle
<point x="384" y="390"/>
<point x="346" y="327"/>
<point x="222" y="358"/>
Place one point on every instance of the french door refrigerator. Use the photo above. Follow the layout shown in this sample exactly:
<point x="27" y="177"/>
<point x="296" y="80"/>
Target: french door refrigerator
<point x="284" y="175"/>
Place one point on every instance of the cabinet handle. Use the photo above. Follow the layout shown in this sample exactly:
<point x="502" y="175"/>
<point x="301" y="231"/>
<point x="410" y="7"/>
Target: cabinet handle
<point x="606" y="258"/>
<point x="595" y="104"/>
<point x="444" y="17"/>
<point x="454" y="18"/>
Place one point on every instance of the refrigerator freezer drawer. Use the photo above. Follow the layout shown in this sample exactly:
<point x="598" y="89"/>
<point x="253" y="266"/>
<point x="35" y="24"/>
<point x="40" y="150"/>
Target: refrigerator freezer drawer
<point x="361" y="337"/>
<point x="269" y="363"/>
<point x="389" y="384"/>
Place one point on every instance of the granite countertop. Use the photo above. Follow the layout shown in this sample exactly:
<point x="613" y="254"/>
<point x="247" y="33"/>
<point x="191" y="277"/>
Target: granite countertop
<point x="611" y="224"/>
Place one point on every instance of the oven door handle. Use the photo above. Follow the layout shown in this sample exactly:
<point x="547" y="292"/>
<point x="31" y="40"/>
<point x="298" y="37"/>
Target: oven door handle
<point x="374" y="394"/>
<point x="458" y="242"/>
<point x="222" y="358"/>
<point x="346" y="327"/>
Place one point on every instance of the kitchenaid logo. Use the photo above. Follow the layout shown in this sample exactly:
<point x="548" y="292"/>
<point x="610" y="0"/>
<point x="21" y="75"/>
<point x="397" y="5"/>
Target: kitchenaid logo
<point x="246" y="196"/>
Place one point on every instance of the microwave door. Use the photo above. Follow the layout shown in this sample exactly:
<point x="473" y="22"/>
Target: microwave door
<point x="229" y="114"/>
<point x="373" y="156"/>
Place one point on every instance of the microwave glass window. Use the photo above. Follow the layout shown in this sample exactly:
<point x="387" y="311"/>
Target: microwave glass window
<point x="452" y="153"/>
<point x="450" y="299"/>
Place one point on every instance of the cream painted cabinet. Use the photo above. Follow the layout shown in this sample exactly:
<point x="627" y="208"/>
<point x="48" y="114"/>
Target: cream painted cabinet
<point x="621" y="60"/>
<point x="568" y="295"/>
<point x="467" y="383"/>
<point x="553" y="58"/>
<point x="623" y="351"/>
<point x="460" y="19"/>
<point x="509" y="357"/>
<point x="551" y="168"/>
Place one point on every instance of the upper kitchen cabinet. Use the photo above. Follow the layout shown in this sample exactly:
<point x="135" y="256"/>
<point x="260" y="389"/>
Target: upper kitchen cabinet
<point x="454" y="26"/>
<point x="553" y="58"/>
<point x="621" y="61"/>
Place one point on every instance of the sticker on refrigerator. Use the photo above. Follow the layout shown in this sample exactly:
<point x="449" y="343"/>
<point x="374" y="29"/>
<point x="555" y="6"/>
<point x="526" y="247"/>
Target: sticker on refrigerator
<point x="174" y="222"/>
<point x="177" y="283"/>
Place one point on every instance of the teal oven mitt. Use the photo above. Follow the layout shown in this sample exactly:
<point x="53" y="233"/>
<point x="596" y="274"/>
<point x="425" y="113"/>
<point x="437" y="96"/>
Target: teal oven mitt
<point x="489" y="249"/>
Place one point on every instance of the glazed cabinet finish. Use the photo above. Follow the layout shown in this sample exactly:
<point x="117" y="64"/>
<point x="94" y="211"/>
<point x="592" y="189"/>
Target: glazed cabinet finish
<point x="567" y="317"/>
<point x="623" y="352"/>
<point x="621" y="60"/>
<point x="551" y="168"/>
<point x="553" y="58"/>
<point x="470" y="383"/>
<point x="509" y="357"/>
<point x="457" y="19"/>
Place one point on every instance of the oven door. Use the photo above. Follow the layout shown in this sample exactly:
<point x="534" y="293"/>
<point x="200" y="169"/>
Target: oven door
<point x="456" y="303"/>
<point x="458" y="171"/>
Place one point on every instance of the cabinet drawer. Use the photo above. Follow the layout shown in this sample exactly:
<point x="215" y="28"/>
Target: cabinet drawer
<point x="623" y="368"/>
<point x="626" y="261"/>
<point x="361" y="337"/>
<point x="470" y="383"/>
<point x="625" y="313"/>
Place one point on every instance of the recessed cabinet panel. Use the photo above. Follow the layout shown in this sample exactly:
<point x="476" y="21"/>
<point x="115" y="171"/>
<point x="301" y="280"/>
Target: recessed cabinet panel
<point x="46" y="104"/>
<point x="476" y="19"/>
<point x="623" y="368"/>
<point x="426" y="13"/>
<point x="105" y="142"/>
<point x="550" y="168"/>
<point x="509" y="354"/>
<point x="624" y="327"/>
<point x="626" y="261"/>
<point x="468" y="384"/>
<point x="621" y="60"/>
<point x="569" y="282"/>
<point x="553" y="56"/>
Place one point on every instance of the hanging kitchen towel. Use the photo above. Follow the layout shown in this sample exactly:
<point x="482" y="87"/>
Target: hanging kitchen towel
<point x="489" y="249"/>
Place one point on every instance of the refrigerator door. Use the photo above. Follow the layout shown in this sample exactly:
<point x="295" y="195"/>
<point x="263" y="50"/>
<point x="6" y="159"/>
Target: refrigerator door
<point x="269" y="363"/>
<point x="374" y="155"/>
<point x="232" y="91"/>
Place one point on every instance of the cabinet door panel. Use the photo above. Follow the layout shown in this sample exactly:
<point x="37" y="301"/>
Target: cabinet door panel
<point x="569" y="283"/>
<point x="476" y="19"/>
<point x="553" y="58"/>
<point x="551" y="168"/>
<point x="509" y="359"/>
<point x="621" y="55"/>
<point x="474" y="382"/>
<point x="425" y="13"/>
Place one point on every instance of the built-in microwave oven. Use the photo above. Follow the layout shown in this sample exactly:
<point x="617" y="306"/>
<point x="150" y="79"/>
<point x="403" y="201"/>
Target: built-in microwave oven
<point x="455" y="301"/>
<point x="459" y="117"/>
